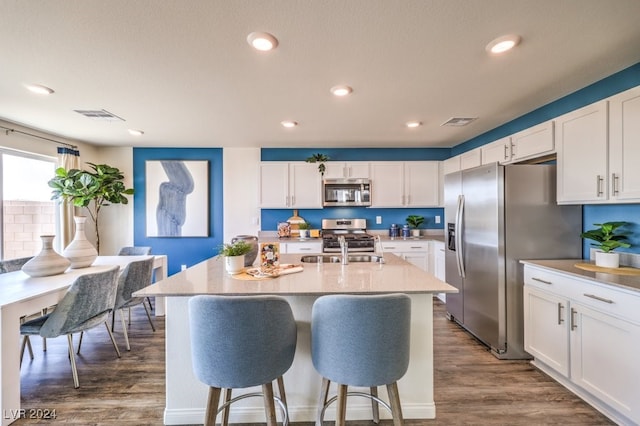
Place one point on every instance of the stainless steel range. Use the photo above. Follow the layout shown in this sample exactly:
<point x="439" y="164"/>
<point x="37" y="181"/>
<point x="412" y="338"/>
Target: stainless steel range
<point x="354" y="232"/>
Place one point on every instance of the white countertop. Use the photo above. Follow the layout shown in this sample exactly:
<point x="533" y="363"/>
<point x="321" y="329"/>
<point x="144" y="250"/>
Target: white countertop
<point x="396" y="275"/>
<point x="567" y="266"/>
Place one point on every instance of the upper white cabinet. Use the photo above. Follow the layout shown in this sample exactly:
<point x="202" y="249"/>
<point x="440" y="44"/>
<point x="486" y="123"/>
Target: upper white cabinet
<point x="290" y="184"/>
<point x="624" y="146"/>
<point x="598" y="147"/>
<point x="352" y="170"/>
<point x="582" y="146"/>
<point x="530" y="143"/>
<point x="405" y="184"/>
<point x="466" y="160"/>
<point x="497" y="151"/>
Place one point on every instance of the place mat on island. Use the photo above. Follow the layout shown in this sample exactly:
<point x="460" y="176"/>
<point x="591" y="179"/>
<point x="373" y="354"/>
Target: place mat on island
<point x="257" y="274"/>
<point x="623" y="270"/>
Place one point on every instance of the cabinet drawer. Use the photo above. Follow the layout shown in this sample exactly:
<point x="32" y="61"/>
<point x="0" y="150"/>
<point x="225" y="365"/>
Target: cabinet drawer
<point x="304" y="248"/>
<point x="606" y="298"/>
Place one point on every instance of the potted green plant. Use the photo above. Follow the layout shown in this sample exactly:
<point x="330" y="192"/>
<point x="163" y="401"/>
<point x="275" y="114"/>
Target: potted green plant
<point x="101" y="186"/>
<point x="318" y="158"/>
<point x="233" y="254"/>
<point x="607" y="239"/>
<point x="304" y="229"/>
<point x="414" y="221"/>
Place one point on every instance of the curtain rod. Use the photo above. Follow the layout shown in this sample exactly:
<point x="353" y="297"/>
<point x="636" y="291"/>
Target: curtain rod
<point x="7" y="130"/>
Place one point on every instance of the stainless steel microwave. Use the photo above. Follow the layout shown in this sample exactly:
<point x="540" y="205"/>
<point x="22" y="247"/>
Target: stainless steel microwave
<point x="346" y="192"/>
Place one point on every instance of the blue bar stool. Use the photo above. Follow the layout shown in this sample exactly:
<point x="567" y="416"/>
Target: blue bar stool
<point x="239" y="342"/>
<point x="361" y="340"/>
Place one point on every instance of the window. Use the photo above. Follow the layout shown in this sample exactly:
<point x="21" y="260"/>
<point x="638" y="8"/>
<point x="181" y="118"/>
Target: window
<point x="27" y="209"/>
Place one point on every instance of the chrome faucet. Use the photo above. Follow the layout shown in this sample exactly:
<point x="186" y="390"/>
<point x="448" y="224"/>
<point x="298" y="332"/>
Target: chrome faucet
<point x="344" y="249"/>
<point x="381" y="248"/>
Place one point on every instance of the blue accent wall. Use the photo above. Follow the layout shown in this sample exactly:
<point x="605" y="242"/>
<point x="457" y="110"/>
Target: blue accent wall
<point x="271" y="217"/>
<point x="180" y="250"/>
<point x="614" y="213"/>
<point x="357" y="154"/>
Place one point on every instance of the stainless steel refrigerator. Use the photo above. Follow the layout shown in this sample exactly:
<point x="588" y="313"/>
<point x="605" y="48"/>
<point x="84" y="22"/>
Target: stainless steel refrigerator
<point x="496" y="215"/>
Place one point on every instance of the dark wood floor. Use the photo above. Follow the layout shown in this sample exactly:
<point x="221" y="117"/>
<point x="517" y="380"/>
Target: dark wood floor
<point x="471" y="386"/>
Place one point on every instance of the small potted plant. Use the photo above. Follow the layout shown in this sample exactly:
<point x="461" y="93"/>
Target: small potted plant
<point x="233" y="254"/>
<point x="304" y="228"/>
<point x="607" y="239"/>
<point x="414" y="221"/>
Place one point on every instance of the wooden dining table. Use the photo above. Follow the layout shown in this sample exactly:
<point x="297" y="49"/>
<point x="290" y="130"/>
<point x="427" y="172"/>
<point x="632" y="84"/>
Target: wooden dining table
<point x="22" y="295"/>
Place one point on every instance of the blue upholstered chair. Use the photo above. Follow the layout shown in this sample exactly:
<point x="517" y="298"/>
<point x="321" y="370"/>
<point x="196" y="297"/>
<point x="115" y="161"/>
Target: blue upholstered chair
<point x="86" y="304"/>
<point x="136" y="275"/>
<point x="239" y="342"/>
<point x="361" y="340"/>
<point x="135" y="251"/>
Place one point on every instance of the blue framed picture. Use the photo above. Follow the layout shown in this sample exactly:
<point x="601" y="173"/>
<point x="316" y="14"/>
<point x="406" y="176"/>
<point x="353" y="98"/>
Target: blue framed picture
<point x="177" y="198"/>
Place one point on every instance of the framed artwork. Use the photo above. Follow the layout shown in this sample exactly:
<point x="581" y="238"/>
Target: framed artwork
<point x="177" y="198"/>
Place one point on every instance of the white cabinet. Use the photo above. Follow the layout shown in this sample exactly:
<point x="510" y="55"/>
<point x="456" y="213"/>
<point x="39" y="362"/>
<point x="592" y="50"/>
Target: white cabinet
<point x="415" y="252"/>
<point x="353" y="169"/>
<point x="534" y="142"/>
<point x="290" y="184"/>
<point x="466" y="160"/>
<point x="587" y="336"/>
<point x="405" y="184"/>
<point x="598" y="150"/>
<point x="546" y="328"/>
<point x="437" y="265"/>
<point x="497" y="151"/>
<point x="302" y="247"/>
<point x="582" y="145"/>
<point x="624" y="146"/>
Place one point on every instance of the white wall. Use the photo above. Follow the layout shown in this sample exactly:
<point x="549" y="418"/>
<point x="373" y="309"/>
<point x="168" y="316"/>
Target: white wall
<point x="116" y="221"/>
<point x="241" y="174"/>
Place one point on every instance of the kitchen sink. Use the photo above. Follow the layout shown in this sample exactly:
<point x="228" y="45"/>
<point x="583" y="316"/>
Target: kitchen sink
<point x="367" y="258"/>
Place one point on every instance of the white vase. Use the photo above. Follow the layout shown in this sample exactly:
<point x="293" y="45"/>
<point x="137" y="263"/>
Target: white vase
<point x="234" y="264"/>
<point x="46" y="263"/>
<point x="304" y="233"/>
<point x="415" y="232"/>
<point x="80" y="251"/>
<point x="607" y="260"/>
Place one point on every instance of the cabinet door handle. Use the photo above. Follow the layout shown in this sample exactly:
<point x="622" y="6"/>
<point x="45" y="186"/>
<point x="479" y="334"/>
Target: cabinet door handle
<point x="573" y="319"/>
<point x="305" y="248"/>
<point x="615" y="187"/>
<point x="541" y="281"/>
<point x="601" y="299"/>
<point x="286" y="200"/>
<point x="506" y="152"/>
<point x="513" y="150"/>
<point x="599" y="182"/>
<point x="560" y="308"/>
<point x="293" y="200"/>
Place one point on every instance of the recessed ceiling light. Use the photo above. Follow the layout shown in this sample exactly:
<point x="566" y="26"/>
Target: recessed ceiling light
<point x="262" y="41"/>
<point x="289" y="123"/>
<point x="503" y="44"/>
<point x="40" y="89"/>
<point x="341" y="90"/>
<point x="413" y="124"/>
<point x="135" y="132"/>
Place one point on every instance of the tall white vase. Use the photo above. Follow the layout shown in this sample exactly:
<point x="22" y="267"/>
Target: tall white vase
<point x="47" y="262"/>
<point x="80" y="251"/>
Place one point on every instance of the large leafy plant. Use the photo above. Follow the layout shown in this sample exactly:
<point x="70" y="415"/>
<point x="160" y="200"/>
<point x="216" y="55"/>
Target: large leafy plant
<point x="606" y="237"/>
<point x="101" y="186"/>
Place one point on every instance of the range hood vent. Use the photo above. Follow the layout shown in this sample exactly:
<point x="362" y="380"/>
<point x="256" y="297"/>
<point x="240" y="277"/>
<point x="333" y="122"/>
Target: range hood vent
<point x="459" y="121"/>
<point x="99" y="114"/>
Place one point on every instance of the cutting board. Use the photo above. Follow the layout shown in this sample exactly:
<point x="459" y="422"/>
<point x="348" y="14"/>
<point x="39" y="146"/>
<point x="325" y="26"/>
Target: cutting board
<point x="295" y="221"/>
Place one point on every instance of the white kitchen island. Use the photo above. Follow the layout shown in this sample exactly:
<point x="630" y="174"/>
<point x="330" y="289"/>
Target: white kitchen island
<point x="186" y="396"/>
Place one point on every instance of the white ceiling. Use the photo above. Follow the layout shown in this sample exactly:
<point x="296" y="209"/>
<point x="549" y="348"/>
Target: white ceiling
<point x="182" y="70"/>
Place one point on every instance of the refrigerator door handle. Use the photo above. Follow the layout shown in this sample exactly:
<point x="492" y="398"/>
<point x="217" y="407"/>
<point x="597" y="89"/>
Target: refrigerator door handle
<point x="459" y="248"/>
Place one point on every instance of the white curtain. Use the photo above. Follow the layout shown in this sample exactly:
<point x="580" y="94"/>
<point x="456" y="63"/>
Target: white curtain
<point x="68" y="158"/>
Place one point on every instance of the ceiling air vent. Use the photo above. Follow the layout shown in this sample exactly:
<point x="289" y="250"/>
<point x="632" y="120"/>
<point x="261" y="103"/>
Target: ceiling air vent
<point x="99" y="114"/>
<point x="459" y="121"/>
